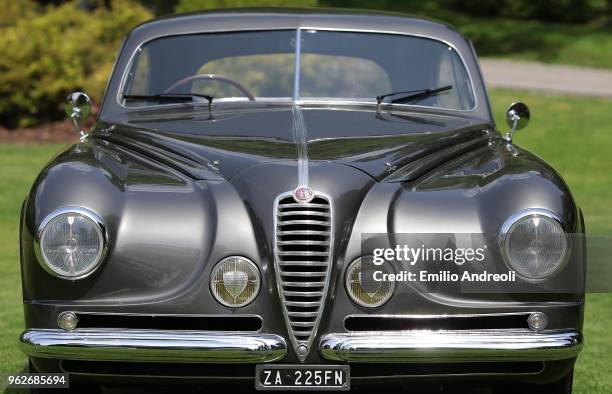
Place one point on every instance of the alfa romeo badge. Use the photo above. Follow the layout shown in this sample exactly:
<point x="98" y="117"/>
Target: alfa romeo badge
<point x="303" y="194"/>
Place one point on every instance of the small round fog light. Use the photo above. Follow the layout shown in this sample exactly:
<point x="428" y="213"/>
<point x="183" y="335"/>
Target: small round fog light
<point x="235" y="281"/>
<point x="362" y="286"/>
<point x="537" y="321"/>
<point x="67" y="320"/>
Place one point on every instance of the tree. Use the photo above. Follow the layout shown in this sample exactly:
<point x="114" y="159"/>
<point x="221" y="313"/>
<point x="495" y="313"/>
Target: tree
<point x="195" y="5"/>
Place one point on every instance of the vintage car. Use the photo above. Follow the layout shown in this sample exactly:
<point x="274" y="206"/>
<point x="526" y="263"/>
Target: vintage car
<point x="212" y="224"/>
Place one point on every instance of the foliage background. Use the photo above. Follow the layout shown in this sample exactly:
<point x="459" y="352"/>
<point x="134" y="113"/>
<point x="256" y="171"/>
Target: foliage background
<point x="53" y="50"/>
<point x="50" y="48"/>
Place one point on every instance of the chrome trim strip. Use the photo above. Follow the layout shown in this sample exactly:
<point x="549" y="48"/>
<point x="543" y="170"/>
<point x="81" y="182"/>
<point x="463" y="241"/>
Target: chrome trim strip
<point x="132" y="57"/>
<point x="301" y="144"/>
<point x="171" y="346"/>
<point x="298" y="62"/>
<point x="530" y="212"/>
<point x="451" y="346"/>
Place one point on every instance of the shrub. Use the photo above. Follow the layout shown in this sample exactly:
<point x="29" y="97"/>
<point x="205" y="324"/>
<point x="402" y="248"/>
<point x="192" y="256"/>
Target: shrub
<point x="545" y="10"/>
<point x="551" y="10"/>
<point x="195" y="5"/>
<point x="47" y="55"/>
<point x="14" y="10"/>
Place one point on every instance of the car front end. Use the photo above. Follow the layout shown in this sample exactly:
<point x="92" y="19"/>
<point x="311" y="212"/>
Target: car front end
<point x="235" y="239"/>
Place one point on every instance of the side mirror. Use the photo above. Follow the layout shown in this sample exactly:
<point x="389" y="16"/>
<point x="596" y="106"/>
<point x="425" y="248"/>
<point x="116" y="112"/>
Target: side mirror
<point x="517" y="117"/>
<point x="78" y="109"/>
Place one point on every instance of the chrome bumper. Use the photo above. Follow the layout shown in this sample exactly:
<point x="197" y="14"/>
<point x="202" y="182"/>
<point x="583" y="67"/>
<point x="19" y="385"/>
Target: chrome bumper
<point x="450" y="346"/>
<point x="154" y="345"/>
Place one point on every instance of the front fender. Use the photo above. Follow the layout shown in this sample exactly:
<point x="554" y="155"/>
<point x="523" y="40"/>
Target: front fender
<point x="146" y="261"/>
<point x="474" y="193"/>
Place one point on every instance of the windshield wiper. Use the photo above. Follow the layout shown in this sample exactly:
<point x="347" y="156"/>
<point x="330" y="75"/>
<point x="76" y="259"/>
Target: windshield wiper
<point x="164" y="97"/>
<point x="414" y="95"/>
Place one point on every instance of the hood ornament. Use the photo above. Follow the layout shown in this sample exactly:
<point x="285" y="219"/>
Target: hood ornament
<point x="303" y="194"/>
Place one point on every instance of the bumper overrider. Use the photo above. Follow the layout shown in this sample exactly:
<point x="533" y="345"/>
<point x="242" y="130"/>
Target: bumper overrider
<point x="131" y="345"/>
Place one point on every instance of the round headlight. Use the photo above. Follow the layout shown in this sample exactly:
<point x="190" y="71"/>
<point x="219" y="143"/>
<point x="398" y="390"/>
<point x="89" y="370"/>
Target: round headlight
<point x="534" y="244"/>
<point x="235" y="281"/>
<point x="71" y="243"/>
<point x="361" y="285"/>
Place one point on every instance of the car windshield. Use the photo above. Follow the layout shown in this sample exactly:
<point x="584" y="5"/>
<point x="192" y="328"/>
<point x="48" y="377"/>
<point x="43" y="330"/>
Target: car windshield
<point x="296" y="66"/>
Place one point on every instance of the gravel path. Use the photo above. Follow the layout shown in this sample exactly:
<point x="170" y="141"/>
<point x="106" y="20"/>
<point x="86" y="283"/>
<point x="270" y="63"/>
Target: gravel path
<point x="550" y="78"/>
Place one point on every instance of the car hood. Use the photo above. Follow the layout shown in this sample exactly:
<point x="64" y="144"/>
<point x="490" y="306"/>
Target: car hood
<point x="222" y="144"/>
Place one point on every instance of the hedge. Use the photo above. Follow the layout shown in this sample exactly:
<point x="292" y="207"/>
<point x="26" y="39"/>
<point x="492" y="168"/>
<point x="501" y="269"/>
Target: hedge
<point x="49" y="52"/>
<point x="195" y="5"/>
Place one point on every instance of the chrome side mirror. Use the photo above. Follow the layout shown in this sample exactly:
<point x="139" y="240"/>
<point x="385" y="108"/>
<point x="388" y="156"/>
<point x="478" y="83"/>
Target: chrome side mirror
<point x="517" y="117"/>
<point x="78" y="109"/>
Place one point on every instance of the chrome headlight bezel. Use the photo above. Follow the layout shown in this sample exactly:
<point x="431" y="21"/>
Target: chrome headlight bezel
<point x="354" y="298"/>
<point x="99" y="228"/>
<point x="511" y="223"/>
<point x="218" y="298"/>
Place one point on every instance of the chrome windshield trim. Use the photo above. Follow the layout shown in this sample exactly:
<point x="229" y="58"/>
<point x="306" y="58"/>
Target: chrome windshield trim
<point x="173" y="346"/>
<point x="296" y="99"/>
<point x="451" y="346"/>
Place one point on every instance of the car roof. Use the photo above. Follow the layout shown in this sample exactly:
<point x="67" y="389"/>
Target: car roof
<point x="293" y="18"/>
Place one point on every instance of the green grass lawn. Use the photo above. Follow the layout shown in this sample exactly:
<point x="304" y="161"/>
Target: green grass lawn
<point x="19" y="165"/>
<point x="573" y="134"/>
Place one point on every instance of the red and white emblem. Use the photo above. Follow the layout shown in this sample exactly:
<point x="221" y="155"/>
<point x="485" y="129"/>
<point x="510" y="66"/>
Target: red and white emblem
<point x="303" y="194"/>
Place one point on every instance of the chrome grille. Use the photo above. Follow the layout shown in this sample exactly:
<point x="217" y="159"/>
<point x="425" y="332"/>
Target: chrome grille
<point x="303" y="243"/>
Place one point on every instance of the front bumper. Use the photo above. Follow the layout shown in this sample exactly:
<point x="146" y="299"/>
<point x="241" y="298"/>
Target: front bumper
<point x="154" y="345"/>
<point x="168" y="346"/>
<point x="450" y="346"/>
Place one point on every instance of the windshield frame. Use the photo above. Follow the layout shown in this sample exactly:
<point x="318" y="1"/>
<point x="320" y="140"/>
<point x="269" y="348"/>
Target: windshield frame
<point x="296" y="100"/>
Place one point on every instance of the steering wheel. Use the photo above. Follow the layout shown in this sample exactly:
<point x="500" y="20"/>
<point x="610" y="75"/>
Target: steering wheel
<point x="212" y="77"/>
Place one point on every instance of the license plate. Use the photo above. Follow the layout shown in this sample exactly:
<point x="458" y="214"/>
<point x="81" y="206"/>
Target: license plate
<point x="302" y="377"/>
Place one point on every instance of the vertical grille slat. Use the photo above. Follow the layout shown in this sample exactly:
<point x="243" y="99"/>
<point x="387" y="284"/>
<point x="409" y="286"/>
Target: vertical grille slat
<point x="302" y="243"/>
